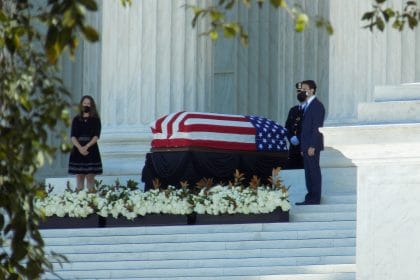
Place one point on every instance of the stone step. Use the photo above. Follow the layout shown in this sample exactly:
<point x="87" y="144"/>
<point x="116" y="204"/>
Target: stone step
<point x="397" y="92"/>
<point x="389" y="112"/>
<point x="208" y="272"/>
<point x="200" y="246"/>
<point x="206" y="263"/>
<point x="327" y="208"/>
<point x="343" y="198"/>
<point x="197" y="229"/>
<point x="334" y="181"/>
<point x="225" y="254"/>
<point x="325" y="217"/>
<point x="214" y="237"/>
<point x="330" y="276"/>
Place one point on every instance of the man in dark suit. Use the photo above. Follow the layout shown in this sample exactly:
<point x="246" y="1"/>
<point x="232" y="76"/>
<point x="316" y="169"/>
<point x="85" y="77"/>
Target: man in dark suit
<point x="294" y="128"/>
<point x="312" y="143"/>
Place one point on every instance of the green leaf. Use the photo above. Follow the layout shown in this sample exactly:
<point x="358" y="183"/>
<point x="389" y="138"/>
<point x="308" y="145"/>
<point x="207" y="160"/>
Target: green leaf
<point x="278" y="3"/>
<point x="380" y="24"/>
<point x="3" y="16"/>
<point x="397" y="24"/>
<point x="90" y="33"/>
<point x="50" y="44"/>
<point x="10" y="44"/>
<point x="214" y="35"/>
<point x="89" y="4"/>
<point x="230" y="4"/>
<point x="412" y="22"/>
<point x="25" y="103"/>
<point x="390" y="12"/>
<point x="330" y="29"/>
<point x="368" y="15"/>
<point x="69" y="18"/>
<point x="229" y="31"/>
<point x="216" y="15"/>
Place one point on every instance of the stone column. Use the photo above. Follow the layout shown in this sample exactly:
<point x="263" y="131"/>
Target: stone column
<point x="152" y="63"/>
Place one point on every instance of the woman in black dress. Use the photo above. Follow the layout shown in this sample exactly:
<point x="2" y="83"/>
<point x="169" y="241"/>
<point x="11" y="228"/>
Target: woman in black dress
<point x="85" y="159"/>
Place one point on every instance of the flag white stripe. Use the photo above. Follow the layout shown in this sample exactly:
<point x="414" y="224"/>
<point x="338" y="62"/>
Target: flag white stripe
<point x="191" y="121"/>
<point x="175" y="124"/>
<point x="165" y="124"/>
<point x="226" y="137"/>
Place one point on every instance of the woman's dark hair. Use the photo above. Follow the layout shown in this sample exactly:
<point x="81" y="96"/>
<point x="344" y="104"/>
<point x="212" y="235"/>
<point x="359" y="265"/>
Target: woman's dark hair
<point x="93" y="111"/>
<point x="311" y="84"/>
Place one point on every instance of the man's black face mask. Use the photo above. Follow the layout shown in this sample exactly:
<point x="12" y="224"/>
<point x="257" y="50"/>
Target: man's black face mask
<point x="301" y="96"/>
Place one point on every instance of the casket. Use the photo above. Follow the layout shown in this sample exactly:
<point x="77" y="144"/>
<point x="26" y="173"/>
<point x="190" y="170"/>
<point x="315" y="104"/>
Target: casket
<point x="189" y="146"/>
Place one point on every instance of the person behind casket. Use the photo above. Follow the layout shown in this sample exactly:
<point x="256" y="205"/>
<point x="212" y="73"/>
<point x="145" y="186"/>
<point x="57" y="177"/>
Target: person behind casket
<point x="294" y="128"/>
<point x="312" y="143"/>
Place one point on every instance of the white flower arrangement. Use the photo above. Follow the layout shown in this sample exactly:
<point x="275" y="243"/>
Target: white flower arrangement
<point x="73" y="204"/>
<point x="130" y="202"/>
<point x="234" y="200"/>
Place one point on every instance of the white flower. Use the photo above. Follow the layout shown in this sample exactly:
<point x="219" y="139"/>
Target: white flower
<point x="117" y="202"/>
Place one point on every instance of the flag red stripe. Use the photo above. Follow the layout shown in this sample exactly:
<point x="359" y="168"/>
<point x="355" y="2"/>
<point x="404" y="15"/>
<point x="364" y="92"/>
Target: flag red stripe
<point x="216" y="128"/>
<point x="158" y="125"/>
<point x="160" y="143"/>
<point x="170" y="123"/>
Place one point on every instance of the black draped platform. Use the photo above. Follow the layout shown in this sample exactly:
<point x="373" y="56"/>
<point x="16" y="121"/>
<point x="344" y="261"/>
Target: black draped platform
<point x="173" y="165"/>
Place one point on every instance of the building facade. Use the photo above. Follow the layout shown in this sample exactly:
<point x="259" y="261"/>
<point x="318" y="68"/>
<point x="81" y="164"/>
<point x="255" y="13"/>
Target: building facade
<point x="151" y="62"/>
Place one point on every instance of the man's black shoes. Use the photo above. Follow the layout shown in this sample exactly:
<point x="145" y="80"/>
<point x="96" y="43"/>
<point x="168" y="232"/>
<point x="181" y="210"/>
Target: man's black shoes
<point x="307" y="203"/>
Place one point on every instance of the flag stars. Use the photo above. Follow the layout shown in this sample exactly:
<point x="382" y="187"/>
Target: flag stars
<point x="269" y="135"/>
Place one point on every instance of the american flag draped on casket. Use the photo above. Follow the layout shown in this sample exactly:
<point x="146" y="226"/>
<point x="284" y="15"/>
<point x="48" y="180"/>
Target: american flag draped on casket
<point x="218" y="131"/>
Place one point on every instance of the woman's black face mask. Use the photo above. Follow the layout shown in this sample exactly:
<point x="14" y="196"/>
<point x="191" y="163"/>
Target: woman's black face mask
<point x="86" y="109"/>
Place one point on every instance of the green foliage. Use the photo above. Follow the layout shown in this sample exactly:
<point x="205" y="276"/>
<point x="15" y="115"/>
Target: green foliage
<point x="376" y="18"/>
<point x="381" y="15"/>
<point x="219" y="23"/>
<point x="33" y="103"/>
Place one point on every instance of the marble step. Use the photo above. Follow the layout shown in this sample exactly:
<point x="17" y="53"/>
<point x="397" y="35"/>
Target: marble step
<point x="214" y="237"/>
<point x="327" y="208"/>
<point x="389" y="112"/>
<point x="330" y="276"/>
<point x="206" y="263"/>
<point x="397" y="92"/>
<point x="343" y="198"/>
<point x="197" y="229"/>
<point x="199" y="246"/>
<point x="208" y="272"/>
<point x="320" y="216"/>
<point x="214" y="254"/>
<point x="335" y="181"/>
